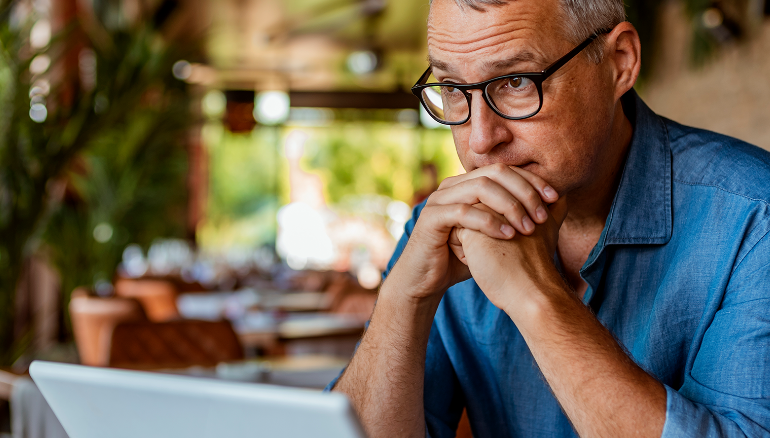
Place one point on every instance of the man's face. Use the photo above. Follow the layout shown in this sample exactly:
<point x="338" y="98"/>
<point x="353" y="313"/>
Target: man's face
<point x="563" y="143"/>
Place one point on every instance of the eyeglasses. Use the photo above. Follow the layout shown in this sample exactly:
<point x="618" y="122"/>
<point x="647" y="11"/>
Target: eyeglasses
<point x="514" y="97"/>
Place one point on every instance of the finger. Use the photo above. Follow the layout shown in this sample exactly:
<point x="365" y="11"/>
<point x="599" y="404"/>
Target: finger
<point x="547" y="192"/>
<point x="456" y="246"/>
<point x="514" y="183"/>
<point x="483" y="190"/>
<point x="450" y="181"/>
<point x="559" y="210"/>
<point x="446" y="217"/>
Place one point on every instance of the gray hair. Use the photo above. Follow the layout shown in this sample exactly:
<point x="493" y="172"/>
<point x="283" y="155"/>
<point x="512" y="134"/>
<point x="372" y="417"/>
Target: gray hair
<point x="581" y="18"/>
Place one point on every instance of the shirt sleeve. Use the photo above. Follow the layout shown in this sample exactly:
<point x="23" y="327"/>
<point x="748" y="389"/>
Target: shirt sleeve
<point x="726" y="393"/>
<point x="443" y="397"/>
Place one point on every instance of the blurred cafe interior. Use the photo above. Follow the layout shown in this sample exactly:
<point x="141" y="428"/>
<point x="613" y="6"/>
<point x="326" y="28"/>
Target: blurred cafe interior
<point x="214" y="187"/>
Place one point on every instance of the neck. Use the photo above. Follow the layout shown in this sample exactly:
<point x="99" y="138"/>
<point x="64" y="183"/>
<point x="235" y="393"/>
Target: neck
<point x="589" y="205"/>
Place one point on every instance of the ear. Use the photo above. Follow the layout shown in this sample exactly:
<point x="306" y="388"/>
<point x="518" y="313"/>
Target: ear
<point x="624" y="53"/>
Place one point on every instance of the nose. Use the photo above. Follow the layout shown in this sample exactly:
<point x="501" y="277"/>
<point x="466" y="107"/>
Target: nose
<point x="488" y="130"/>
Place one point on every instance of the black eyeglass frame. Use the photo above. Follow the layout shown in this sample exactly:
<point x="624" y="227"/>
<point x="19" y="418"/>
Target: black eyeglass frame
<point x="536" y="77"/>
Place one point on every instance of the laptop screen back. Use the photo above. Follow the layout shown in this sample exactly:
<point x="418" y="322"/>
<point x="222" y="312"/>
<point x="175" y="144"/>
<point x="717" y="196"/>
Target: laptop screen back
<point x="98" y="402"/>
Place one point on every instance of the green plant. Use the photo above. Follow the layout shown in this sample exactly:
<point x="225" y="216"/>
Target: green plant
<point x="128" y="188"/>
<point x="130" y="121"/>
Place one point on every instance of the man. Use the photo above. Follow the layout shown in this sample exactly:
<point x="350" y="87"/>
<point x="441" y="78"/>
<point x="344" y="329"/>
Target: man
<point x="620" y="262"/>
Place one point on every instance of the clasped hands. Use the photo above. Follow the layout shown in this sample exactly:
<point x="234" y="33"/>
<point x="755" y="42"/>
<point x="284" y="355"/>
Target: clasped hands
<point x="498" y="224"/>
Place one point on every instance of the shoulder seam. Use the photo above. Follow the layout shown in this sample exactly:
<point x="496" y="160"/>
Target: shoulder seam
<point x="737" y="265"/>
<point x="722" y="189"/>
<point x="750" y="301"/>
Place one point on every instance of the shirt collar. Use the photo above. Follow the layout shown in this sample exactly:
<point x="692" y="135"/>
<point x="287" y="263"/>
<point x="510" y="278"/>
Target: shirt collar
<point x="641" y="210"/>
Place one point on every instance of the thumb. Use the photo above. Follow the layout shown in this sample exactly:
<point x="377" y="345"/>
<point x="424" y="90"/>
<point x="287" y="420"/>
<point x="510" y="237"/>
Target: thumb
<point x="559" y="210"/>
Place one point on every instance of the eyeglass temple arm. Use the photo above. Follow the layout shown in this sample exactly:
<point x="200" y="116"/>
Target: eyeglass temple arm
<point x="566" y="58"/>
<point x="424" y="76"/>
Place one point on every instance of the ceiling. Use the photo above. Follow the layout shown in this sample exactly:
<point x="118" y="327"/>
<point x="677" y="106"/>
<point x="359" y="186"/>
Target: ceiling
<point x="304" y="45"/>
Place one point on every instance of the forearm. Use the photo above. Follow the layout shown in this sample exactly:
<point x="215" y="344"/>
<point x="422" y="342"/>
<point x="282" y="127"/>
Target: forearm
<point x="385" y="379"/>
<point x="600" y="388"/>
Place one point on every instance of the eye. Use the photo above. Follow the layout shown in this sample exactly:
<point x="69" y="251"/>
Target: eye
<point x="515" y="82"/>
<point x="451" y="91"/>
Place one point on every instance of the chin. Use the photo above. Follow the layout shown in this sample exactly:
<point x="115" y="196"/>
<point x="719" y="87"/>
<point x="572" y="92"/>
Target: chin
<point x="540" y="171"/>
<point x="553" y="179"/>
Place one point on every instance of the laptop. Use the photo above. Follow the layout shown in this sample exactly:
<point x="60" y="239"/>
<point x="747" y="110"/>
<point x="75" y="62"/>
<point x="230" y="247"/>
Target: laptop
<point x="108" y="403"/>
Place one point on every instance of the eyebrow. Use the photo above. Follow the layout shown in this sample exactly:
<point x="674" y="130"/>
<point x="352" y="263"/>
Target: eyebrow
<point x="441" y="65"/>
<point x="504" y="64"/>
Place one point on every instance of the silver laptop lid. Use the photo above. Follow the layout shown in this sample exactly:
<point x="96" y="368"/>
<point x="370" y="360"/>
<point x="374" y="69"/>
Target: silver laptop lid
<point x="99" y="402"/>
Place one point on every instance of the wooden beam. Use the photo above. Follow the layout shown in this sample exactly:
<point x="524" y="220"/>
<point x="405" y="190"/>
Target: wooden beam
<point x="337" y="99"/>
<point x="353" y="99"/>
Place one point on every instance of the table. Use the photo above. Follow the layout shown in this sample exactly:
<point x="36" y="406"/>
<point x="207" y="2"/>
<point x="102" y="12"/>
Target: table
<point x="311" y="371"/>
<point x="285" y="322"/>
<point x="303" y="333"/>
<point x="232" y="305"/>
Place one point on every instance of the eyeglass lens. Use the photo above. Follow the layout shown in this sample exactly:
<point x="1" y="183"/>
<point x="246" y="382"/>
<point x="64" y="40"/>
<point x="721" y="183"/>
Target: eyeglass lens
<point x="513" y="96"/>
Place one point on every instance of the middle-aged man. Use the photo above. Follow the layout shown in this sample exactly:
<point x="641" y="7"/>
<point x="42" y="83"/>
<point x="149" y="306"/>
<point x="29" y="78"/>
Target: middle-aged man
<point x="598" y="271"/>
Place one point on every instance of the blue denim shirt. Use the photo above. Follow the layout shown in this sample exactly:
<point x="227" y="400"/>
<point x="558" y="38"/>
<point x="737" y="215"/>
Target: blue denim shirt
<point x="680" y="276"/>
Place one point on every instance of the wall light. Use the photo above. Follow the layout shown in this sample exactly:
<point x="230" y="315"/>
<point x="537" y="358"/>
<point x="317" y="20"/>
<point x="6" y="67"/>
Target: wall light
<point x="214" y="103"/>
<point x="363" y="62"/>
<point x="271" y="107"/>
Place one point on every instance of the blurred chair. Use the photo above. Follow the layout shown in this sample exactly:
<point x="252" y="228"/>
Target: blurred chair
<point x="464" y="428"/>
<point x="312" y="281"/>
<point x="158" y="297"/>
<point x="93" y="320"/>
<point x="173" y="344"/>
<point x="341" y="287"/>
<point x="347" y="298"/>
<point x="359" y="304"/>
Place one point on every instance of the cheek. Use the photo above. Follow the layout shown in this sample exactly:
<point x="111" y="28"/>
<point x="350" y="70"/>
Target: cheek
<point x="566" y="147"/>
<point x="461" y="136"/>
<point x="577" y="153"/>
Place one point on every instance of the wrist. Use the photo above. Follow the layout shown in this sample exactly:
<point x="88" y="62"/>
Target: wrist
<point x="534" y="298"/>
<point x="401" y="319"/>
<point x="404" y="295"/>
<point x="412" y="282"/>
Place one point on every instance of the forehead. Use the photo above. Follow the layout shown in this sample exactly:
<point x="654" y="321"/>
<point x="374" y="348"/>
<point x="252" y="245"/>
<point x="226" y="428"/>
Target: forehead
<point x="458" y="37"/>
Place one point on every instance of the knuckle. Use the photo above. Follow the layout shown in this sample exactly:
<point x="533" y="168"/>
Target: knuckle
<point x="532" y="197"/>
<point x="461" y="209"/>
<point x="516" y="208"/>
<point x="482" y="182"/>
<point x="488" y="221"/>
<point x="499" y="168"/>
<point x="427" y="212"/>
